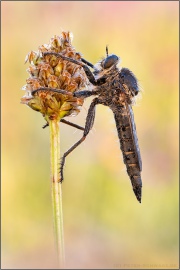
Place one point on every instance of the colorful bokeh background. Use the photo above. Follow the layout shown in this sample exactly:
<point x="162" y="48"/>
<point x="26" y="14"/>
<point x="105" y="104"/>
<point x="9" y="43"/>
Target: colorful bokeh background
<point x="105" y="226"/>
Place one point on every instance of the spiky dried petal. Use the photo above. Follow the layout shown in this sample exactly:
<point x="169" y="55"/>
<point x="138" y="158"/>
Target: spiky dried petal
<point x="51" y="71"/>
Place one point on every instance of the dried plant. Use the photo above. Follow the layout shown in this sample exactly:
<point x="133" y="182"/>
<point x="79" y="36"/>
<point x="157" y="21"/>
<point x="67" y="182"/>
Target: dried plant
<point x="52" y="72"/>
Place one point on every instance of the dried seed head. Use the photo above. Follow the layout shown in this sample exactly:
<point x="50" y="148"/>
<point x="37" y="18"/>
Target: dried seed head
<point x="51" y="71"/>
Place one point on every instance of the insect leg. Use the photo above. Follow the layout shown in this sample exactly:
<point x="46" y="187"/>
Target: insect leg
<point x="87" y="63"/>
<point x="88" y="72"/>
<point x="84" y="93"/>
<point x="55" y="90"/>
<point x="88" y="125"/>
<point x="68" y="123"/>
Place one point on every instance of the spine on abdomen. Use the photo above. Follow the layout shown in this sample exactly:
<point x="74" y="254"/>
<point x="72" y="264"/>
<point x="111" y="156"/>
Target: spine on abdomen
<point x="129" y="145"/>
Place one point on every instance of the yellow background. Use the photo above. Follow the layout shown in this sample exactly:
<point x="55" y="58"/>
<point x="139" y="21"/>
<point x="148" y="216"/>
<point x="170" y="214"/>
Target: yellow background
<point x="105" y="226"/>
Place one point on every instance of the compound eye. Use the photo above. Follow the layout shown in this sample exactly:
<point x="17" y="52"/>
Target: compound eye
<point x="136" y="91"/>
<point x="110" y="61"/>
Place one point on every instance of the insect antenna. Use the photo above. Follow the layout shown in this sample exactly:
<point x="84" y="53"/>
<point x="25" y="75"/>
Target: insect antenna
<point x="107" y="50"/>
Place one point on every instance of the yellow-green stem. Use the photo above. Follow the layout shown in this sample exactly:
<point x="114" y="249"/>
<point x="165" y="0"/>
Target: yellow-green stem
<point x="56" y="188"/>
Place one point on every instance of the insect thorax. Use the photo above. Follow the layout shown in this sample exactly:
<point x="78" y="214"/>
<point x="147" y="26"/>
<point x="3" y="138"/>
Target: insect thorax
<point x="112" y="91"/>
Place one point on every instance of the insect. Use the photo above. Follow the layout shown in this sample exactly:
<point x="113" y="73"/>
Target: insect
<point x="115" y="88"/>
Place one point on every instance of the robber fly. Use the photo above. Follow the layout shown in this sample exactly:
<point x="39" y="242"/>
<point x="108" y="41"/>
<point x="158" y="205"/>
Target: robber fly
<point x="115" y="88"/>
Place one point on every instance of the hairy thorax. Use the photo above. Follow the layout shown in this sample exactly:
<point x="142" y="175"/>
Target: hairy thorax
<point x="111" y="91"/>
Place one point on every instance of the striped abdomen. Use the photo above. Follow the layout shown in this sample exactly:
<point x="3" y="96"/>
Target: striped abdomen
<point x="126" y="129"/>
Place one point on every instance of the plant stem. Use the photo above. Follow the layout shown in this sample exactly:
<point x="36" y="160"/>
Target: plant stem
<point x="56" y="189"/>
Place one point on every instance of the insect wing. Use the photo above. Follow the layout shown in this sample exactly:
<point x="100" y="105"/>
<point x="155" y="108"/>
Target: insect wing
<point x="134" y="133"/>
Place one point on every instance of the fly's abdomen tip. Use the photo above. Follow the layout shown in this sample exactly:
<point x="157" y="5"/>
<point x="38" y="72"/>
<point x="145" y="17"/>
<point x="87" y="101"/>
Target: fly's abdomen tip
<point x="137" y="187"/>
<point x="137" y="192"/>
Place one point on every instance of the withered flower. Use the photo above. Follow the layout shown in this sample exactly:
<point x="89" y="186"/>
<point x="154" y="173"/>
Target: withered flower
<point x="53" y="72"/>
<point x="49" y="71"/>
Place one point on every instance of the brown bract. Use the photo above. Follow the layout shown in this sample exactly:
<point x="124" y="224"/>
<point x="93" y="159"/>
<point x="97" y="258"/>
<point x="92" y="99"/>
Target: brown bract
<point x="53" y="72"/>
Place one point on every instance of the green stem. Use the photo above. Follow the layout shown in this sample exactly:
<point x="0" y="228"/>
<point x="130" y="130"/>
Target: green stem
<point x="56" y="188"/>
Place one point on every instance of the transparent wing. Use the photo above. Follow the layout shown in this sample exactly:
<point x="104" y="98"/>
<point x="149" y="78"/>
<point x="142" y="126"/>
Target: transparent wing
<point x="134" y="134"/>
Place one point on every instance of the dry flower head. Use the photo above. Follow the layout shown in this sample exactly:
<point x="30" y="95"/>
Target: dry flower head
<point x="53" y="72"/>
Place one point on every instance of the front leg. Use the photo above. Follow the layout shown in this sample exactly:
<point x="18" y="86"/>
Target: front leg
<point x="88" y="72"/>
<point x="85" y="93"/>
<point x="54" y="90"/>
<point x="78" y="94"/>
<point x="87" y="63"/>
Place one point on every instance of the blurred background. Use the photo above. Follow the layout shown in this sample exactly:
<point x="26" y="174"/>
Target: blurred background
<point x="105" y="226"/>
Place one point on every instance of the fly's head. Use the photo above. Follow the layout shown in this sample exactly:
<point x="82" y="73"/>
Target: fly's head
<point x="107" y="64"/>
<point x="110" y="61"/>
